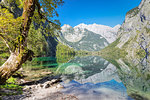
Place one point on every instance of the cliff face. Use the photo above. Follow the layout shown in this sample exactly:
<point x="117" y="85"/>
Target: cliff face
<point x="134" y="41"/>
<point x="134" y="33"/>
<point x="134" y="38"/>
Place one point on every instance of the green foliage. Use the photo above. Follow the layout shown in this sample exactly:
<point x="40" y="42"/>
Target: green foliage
<point x="113" y="52"/>
<point x="49" y="7"/>
<point x="9" y="3"/>
<point x="64" y="53"/>
<point x="14" y="34"/>
<point x="37" y="42"/>
<point x="11" y="80"/>
<point x="12" y="86"/>
<point x="4" y="52"/>
<point x="61" y="48"/>
<point x="19" y="3"/>
<point x="9" y="31"/>
<point x="9" y="28"/>
<point x="48" y="13"/>
<point x="36" y="38"/>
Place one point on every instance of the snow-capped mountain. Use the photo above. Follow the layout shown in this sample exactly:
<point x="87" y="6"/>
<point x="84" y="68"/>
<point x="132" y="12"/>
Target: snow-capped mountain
<point x="109" y="33"/>
<point x="72" y="34"/>
<point x="92" y="37"/>
<point x="82" y="39"/>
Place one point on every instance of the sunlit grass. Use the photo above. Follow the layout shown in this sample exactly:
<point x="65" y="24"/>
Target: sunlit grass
<point x="11" y="85"/>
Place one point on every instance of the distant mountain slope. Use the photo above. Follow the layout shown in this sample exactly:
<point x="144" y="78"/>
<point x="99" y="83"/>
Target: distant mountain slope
<point x="82" y="39"/>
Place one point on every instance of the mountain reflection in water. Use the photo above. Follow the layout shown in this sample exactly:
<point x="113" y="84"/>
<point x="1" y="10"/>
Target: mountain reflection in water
<point x="110" y="90"/>
<point x="92" y="78"/>
<point x="134" y="72"/>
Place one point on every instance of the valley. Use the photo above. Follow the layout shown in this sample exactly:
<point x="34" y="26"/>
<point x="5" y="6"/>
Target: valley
<point x="45" y="60"/>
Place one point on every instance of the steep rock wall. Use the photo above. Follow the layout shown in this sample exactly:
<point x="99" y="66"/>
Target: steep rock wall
<point x="134" y="33"/>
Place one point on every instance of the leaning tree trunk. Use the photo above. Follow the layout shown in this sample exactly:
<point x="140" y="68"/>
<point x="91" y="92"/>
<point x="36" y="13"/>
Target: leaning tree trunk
<point x="21" y="54"/>
<point x="12" y="64"/>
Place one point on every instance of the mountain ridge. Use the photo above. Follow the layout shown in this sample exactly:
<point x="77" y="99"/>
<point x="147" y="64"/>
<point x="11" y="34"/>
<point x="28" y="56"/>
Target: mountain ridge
<point x="109" y="33"/>
<point x="82" y="39"/>
<point x="92" y="37"/>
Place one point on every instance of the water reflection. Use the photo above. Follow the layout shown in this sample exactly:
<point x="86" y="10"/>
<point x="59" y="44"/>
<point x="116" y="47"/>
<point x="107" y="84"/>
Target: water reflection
<point x="109" y="90"/>
<point x="135" y="75"/>
<point x="92" y="78"/>
<point x="83" y="69"/>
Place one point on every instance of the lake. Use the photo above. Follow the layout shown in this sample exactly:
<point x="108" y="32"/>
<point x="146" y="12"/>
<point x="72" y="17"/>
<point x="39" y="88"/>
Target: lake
<point x="94" y="78"/>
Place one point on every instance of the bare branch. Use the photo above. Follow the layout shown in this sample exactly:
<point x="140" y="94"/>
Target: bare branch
<point x="6" y="42"/>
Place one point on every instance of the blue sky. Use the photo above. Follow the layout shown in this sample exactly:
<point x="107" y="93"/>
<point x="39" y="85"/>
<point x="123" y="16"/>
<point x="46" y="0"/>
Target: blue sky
<point x="105" y="12"/>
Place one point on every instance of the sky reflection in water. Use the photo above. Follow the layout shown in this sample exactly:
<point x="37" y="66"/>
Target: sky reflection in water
<point x="92" y="78"/>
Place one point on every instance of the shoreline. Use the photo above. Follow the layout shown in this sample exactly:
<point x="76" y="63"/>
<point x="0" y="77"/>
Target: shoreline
<point x="48" y="88"/>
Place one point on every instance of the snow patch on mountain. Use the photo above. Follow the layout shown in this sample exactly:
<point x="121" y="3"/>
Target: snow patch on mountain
<point x="65" y="27"/>
<point x="72" y="34"/>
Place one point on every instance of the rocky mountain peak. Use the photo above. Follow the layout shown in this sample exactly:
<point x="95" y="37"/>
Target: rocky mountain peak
<point x="134" y="32"/>
<point x="142" y="3"/>
<point x="91" y="37"/>
<point x="109" y="33"/>
<point x="65" y="27"/>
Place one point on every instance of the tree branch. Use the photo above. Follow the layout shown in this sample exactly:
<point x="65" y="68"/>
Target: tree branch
<point x="39" y="8"/>
<point x="6" y="42"/>
<point x="40" y="14"/>
<point x="28" y="12"/>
